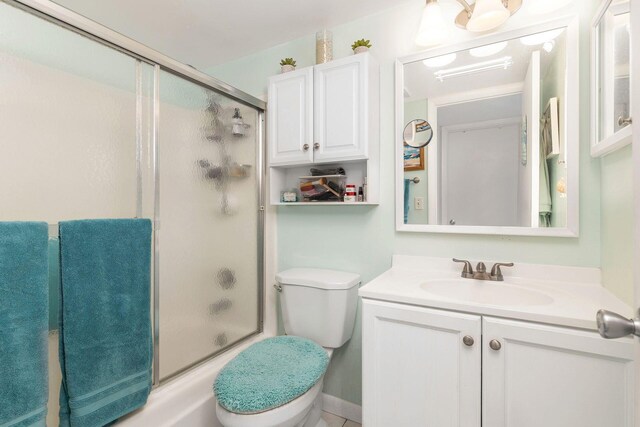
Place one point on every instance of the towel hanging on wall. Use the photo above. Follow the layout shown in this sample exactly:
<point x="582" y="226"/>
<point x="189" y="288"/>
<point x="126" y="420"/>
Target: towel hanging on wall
<point x="105" y="319"/>
<point x="24" y="314"/>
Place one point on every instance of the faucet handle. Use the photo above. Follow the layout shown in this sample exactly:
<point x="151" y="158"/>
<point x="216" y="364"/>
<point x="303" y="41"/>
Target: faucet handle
<point x="496" y="272"/>
<point x="467" y="271"/>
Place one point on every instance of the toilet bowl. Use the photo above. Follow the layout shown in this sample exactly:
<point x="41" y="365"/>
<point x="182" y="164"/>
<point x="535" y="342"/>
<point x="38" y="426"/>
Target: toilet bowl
<point x="278" y="382"/>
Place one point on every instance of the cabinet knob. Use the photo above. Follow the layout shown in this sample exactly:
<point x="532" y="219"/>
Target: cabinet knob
<point x="495" y="345"/>
<point x="316" y="146"/>
<point x="468" y="340"/>
<point x="305" y="147"/>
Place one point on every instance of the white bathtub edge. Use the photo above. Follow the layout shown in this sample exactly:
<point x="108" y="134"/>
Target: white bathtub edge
<point x="188" y="397"/>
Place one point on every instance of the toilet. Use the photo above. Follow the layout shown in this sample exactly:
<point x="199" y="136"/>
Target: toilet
<point x="278" y="382"/>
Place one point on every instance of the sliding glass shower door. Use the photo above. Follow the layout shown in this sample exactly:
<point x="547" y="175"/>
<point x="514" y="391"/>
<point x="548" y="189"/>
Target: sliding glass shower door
<point x="208" y="223"/>
<point x="91" y="129"/>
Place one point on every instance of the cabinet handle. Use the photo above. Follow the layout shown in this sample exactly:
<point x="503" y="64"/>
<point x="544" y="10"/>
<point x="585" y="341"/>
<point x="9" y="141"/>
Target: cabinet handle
<point x="305" y="147"/>
<point x="495" y="345"/>
<point x="316" y="146"/>
<point x="468" y="340"/>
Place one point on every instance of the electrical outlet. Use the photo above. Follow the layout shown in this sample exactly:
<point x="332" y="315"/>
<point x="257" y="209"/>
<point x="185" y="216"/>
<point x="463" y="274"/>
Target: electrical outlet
<point x="418" y="203"/>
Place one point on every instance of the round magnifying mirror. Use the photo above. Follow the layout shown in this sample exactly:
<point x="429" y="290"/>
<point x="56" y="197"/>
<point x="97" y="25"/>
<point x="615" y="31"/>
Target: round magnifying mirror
<point x="417" y="133"/>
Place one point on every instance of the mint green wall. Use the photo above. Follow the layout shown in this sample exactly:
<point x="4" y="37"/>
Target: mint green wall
<point x="363" y="239"/>
<point x="617" y="223"/>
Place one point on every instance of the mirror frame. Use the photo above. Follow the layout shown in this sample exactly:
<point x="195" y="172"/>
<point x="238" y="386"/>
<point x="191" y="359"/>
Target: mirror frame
<point x="623" y="137"/>
<point x="570" y="132"/>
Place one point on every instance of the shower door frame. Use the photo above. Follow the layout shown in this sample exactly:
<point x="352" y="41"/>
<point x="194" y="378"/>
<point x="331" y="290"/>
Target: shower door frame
<point x="79" y="24"/>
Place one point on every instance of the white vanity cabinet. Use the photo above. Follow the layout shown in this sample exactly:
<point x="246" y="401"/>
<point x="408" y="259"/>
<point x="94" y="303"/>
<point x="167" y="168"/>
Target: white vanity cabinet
<point x="322" y="114"/>
<point x="419" y="370"/>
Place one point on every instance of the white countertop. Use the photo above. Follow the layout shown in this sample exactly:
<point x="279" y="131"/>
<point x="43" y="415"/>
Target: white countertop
<point x="576" y="293"/>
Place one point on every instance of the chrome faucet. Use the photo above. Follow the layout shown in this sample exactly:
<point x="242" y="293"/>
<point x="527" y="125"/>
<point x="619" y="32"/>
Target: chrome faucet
<point x="481" y="270"/>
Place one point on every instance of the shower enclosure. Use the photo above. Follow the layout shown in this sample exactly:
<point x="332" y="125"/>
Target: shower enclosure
<point x="95" y="125"/>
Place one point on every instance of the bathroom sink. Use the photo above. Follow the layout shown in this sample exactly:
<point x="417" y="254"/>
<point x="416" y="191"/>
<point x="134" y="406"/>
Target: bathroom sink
<point x="485" y="292"/>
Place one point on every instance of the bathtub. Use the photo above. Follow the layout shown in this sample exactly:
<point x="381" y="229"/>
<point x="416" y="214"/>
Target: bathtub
<point x="188" y="400"/>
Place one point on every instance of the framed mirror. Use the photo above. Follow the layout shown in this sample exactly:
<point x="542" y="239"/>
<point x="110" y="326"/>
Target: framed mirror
<point x="611" y="78"/>
<point x="503" y="113"/>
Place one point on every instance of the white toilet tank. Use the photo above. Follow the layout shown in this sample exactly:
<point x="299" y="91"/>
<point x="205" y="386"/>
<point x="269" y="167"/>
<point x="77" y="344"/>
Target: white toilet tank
<point x="319" y="304"/>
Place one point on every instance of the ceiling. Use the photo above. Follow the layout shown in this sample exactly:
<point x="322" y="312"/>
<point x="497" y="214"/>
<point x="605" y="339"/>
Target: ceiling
<point x="204" y="33"/>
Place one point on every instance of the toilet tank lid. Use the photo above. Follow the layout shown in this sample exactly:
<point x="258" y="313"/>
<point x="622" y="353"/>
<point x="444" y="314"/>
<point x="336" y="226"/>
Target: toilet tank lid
<point x="318" y="278"/>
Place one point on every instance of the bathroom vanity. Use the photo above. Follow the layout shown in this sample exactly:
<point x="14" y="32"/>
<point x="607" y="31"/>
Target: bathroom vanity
<point x="441" y="350"/>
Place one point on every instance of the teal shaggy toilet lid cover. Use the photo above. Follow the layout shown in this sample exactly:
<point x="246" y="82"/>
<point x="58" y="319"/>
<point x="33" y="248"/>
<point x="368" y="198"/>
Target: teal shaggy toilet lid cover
<point x="269" y="374"/>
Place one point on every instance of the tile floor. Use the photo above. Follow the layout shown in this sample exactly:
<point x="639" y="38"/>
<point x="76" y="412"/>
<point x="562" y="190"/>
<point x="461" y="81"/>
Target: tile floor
<point x="336" y="421"/>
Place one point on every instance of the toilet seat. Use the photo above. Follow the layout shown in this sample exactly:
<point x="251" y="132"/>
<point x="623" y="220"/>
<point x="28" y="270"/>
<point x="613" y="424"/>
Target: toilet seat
<point x="270" y="374"/>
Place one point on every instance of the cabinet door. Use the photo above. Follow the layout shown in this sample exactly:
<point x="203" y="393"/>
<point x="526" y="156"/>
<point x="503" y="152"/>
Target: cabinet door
<point x="416" y="369"/>
<point x="341" y="109"/>
<point x="290" y="118"/>
<point x="555" y="377"/>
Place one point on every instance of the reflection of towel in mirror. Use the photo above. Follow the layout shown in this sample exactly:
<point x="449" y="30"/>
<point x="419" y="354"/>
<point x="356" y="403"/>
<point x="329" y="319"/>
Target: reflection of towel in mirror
<point x="406" y="200"/>
<point x="544" y="205"/>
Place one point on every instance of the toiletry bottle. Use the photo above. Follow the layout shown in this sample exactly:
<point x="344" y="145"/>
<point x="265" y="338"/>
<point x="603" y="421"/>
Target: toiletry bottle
<point x="364" y="190"/>
<point x="360" y="195"/>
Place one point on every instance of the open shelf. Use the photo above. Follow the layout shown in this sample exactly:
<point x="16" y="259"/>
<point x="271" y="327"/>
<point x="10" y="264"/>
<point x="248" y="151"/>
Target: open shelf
<point x="286" y="178"/>
<point x="325" y="204"/>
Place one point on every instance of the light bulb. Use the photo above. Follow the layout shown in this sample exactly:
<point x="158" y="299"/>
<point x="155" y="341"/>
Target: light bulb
<point x="439" y="61"/>
<point x="487" y="50"/>
<point x="487" y="15"/>
<point x="433" y="29"/>
<point x="541" y="38"/>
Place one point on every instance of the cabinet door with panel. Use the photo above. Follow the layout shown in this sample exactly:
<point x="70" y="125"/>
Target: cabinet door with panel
<point x="341" y="109"/>
<point x="421" y="367"/>
<point x="290" y="118"/>
<point x="537" y="375"/>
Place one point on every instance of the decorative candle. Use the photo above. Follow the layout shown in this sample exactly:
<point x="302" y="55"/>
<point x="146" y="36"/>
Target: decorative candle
<point x="324" y="46"/>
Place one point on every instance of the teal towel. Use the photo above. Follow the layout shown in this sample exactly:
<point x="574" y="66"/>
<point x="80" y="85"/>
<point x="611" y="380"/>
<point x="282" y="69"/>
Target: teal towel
<point x="105" y="319"/>
<point x="269" y="374"/>
<point x="24" y="312"/>
<point x="407" y="183"/>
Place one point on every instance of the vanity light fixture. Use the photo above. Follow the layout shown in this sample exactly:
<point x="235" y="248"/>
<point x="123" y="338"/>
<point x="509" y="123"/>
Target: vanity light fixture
<point x="439" y="61"/>
<point x="483" y="15"/>
<point x="488" y="50"/>
<point x="433" y="29"/>
<point x="501" y="63"/>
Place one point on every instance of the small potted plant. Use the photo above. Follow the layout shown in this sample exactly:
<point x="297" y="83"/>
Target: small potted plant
<point x="287" y="64"/>
<point x="361" y="45"/>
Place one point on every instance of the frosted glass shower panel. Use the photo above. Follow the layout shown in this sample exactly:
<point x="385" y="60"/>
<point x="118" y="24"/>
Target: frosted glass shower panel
<point x="68" y="133"/>
<point x="208" y="233"/>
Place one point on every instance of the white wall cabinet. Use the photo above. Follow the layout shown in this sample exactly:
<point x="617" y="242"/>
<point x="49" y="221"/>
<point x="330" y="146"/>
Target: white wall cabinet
<point x="418" y="371"/>
<point x="326" y="114"/>
<point x="290" y="118"/>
